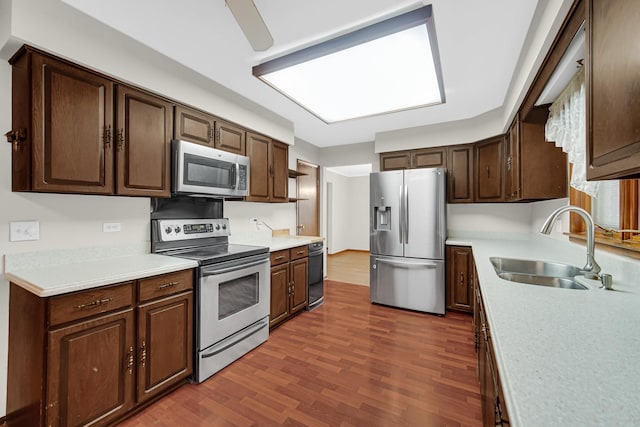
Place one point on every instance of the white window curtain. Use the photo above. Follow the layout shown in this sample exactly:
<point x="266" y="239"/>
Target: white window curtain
<point x="567" y="127"/>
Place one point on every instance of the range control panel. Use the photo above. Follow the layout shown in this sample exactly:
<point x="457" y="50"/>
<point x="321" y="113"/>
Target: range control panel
<point x="186" y="229"/>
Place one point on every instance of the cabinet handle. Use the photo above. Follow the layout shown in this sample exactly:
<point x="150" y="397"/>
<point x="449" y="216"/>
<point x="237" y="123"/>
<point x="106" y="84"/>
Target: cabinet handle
<point x="130" y="362"/>
<point x="217" y="135"/>
<point x="209" y="133"/>
<point x="106" y="136"/>
<point x="299" y="252"/>
<point x="279" y="257"/>
<point x="461" y="278"/>
<point x="488" y="172"/>
<point x="94" y="303"/>
<point x="15" y="136"/>
<point x="143" y="354"/>
<point x="120" y="136"/>
<point x="168" y="285"/>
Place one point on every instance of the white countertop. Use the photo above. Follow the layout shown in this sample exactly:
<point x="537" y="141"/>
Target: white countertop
<point x="566" y="357"/>
<point x="275" y="243"/>
<point x="57" y="272"/>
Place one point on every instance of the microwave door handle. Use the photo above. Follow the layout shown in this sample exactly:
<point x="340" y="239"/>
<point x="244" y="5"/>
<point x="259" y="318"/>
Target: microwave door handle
<point x="236" y="175"/>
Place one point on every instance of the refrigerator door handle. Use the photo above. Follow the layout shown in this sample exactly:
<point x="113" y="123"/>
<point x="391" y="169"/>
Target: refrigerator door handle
<point x="406" y="214"/>
<point x="401" y="217"/>
<point x="407" y="264"/>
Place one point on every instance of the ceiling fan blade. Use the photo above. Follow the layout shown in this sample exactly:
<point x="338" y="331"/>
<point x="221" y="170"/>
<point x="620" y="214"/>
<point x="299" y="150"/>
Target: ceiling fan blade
<point x="251" y="23"/>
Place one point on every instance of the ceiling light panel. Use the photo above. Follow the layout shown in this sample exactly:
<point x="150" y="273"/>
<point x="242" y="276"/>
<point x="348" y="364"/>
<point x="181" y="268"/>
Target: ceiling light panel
<point x="389" y="66"/>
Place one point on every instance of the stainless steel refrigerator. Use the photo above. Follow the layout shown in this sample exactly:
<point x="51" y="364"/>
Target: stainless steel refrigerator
<point x="408" y="229"/>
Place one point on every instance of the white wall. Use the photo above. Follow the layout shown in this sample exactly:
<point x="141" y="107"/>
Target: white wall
<point x="350" y="213"/>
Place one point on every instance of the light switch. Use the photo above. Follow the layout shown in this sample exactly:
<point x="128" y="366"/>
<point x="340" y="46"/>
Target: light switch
<point x="20" y="231"/>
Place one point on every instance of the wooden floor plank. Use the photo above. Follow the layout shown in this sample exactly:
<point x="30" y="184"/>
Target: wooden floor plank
<point x="348" y="363"/>
<point x="349" y="267"/>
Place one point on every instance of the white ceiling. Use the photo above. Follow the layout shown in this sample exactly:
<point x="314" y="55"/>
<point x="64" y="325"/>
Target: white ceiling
<point x="479" y="44"/>
<point x="352" y="170"/>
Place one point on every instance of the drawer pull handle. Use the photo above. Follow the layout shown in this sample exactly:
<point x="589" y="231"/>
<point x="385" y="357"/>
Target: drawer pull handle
<point x="94" y="303"/>
<point x="280" y="257"/>
<point x="168" y="285"/>
<point x="300" y="252"/>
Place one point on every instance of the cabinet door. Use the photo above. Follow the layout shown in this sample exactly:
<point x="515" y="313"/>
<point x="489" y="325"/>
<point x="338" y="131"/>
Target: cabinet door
<point x="460" y="173"/>
<point x="280" y="287"/>
<point x="460" y="278"/>
<point x="72" y="121"/>
<point x="299" y="278"/>
<point x="193" y="126"/>
<point x="613" y="95"/>
<point x="229" y="137"/>
<point x="259" y="171"/>
<point x="90" y="371"/>
<point x="429" y="158"/>
<point x="165" y="344"/>
<point x="395" y="160"/>
<point x="143" y="143"/>
<point x="489" y="158"/>
<point x="279" y="172"/>
<point x="512" y="162"/>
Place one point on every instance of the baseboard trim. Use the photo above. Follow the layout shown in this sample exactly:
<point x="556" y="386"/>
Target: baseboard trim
<point x="348" y="250"/>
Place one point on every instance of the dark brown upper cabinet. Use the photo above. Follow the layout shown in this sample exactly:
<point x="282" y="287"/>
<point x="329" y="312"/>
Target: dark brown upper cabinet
<point x="202" y="128"/>
<point x="63" y="117"/>
<point x="535" y="169"/>
<point x="269" y="172"/>
<point x="429" y="158"/>
<point x="395" y="160"/>
<point x="460" y="173"/>
<point x="67" y="140"/>
<point x="488" y="169"/>
<point x="613" y="92"/>
<point x="143" y="143"/>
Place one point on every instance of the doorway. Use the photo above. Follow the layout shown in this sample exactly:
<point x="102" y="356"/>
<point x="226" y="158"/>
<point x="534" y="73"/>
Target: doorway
<point x="308" y="195"/>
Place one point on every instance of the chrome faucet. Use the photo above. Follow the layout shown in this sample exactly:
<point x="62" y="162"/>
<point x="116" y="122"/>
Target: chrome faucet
<point x="591" y="269"/>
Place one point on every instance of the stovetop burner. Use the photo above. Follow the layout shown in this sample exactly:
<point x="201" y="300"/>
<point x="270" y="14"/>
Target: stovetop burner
<point x="218" y="253"/>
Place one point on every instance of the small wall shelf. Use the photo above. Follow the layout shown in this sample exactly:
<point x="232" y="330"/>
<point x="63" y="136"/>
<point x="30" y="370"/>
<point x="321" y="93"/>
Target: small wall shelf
<point x="295" y="173"/>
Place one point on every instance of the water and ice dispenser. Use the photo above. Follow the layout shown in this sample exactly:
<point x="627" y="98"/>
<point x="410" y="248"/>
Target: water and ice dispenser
<point x="382" y="218"/>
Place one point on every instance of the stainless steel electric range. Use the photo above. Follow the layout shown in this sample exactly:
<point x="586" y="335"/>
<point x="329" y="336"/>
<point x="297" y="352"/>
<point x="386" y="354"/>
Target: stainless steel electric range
<point x="232" y="290"/>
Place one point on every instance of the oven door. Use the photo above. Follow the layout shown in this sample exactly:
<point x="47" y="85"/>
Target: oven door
<point x="233" y="295"/>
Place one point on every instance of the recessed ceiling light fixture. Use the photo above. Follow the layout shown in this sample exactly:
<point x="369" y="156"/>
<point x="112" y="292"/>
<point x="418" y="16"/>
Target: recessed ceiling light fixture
<point x="386" y="67"/>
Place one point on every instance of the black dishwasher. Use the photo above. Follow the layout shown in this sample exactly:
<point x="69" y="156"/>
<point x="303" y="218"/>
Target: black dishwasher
<point x="316" y="275"/>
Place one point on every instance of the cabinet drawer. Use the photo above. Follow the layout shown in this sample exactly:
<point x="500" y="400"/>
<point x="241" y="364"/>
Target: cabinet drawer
<point x="298" y="252"/>
<point x="167" y="284"/>
<point x="66" y="308"/>
<point x="279" y="257"/>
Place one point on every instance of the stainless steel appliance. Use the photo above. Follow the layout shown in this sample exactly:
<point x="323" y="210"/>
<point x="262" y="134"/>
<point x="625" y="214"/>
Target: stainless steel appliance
<point x="407" y="239"/>
<point x="316" y="275"/>
<point x="232" y="291"/>
<point x="200" y="170"/>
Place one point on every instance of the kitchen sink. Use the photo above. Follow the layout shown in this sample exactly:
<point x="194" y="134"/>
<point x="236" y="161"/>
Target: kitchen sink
<point x="541" y="273"/>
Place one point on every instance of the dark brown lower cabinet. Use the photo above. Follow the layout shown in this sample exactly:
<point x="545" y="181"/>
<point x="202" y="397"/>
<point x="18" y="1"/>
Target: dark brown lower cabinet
<point x="460" y="278"/>
<point x="289" y="279"/>
<point x="494" y="409"/>
<point x="85" y="358"/>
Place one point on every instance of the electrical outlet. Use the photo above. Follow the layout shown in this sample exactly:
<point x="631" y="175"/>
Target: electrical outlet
<point x="253" y="220"/>
<point x="20" y="231"/>
<point x="111" y="227"/>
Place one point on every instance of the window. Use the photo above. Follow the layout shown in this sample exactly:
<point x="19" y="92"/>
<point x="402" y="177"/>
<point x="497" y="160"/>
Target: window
<point x="389" y="66"/>
<point x="616" y="212"/>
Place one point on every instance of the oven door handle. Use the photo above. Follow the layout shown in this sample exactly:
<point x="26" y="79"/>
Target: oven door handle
<point x="214" y="272"/>
<point x="251" y="330"/>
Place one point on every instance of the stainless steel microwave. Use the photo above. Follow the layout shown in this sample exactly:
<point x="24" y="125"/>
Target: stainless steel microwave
<point x="201" y="170"/>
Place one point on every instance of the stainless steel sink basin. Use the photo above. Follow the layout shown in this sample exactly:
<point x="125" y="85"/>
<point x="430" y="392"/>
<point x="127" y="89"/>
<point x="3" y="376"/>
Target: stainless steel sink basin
<point x="553" y="282"/>
<point x="533" y="272"/>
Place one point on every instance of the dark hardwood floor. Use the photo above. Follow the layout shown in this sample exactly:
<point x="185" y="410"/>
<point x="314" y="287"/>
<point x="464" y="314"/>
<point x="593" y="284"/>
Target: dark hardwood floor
<point x="348" y="363"/>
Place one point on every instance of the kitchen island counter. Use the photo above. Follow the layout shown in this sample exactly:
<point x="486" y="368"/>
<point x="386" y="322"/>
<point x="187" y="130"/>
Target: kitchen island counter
<point x="565" y="357"/>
